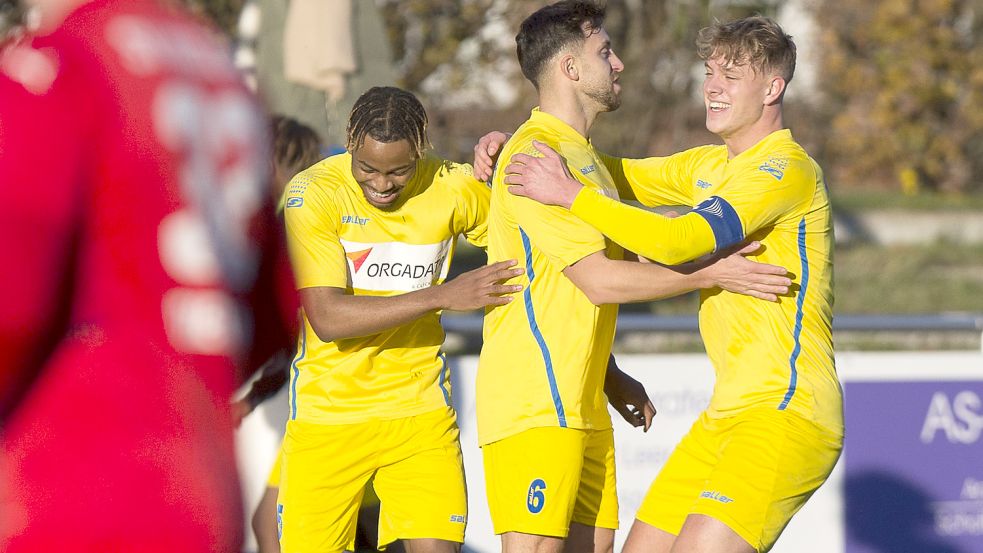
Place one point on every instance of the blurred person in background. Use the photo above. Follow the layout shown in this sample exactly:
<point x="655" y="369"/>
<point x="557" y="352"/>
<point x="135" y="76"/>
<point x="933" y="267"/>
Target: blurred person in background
<point x="137" y="221"/>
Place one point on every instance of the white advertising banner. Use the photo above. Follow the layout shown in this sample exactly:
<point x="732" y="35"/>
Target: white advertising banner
<point x="680" y="387"/>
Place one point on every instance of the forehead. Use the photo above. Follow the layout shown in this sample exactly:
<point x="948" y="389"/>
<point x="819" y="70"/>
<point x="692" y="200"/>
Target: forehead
<point x="595" y="37"/>
<point x="381" y="155"/>
<point x="720" y="63"/>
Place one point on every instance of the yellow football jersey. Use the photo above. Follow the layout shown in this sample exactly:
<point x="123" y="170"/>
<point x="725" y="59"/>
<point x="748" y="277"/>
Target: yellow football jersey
<point x="545" y="353"/>
<point x="765" y="354"/>
<point x="337" y="239"/>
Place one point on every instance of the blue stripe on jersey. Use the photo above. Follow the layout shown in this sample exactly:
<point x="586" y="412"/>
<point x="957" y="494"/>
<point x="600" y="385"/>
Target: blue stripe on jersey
<point x="798" y="316"/>
<point x="296" y="373"/>
<point x="443" y="378"/>
<point x="723" y="220"/>
<point x="531" y="315"/>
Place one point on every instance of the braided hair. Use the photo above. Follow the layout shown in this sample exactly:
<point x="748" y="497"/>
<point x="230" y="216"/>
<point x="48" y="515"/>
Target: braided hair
<point x="388" y="114"/>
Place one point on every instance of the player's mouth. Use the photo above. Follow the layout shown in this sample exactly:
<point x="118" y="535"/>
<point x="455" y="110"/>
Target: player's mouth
<point x="717" y="107"/>
<point x="382" y="198"/>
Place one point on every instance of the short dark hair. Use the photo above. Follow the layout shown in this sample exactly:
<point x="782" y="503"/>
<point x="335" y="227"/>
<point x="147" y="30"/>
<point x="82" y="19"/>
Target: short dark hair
<point x="551" y="29"/>
<point x="388" y="114"/>
<point x="756" y="41"/>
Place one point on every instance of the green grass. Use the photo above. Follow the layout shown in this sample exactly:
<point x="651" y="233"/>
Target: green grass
<point x="869" y="279"/>
<point x="858" y="200"/>
<point x="909" y="279"/>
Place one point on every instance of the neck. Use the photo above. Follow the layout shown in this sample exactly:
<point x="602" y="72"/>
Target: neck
<point x="566" y="106"/>
<point x="743" y="140"/>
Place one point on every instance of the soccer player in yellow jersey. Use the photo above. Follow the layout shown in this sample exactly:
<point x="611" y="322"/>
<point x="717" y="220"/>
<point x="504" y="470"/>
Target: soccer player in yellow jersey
<point x="371" y="234"/>
<point x="543" y="424"/>
<point x="774" y="427"/>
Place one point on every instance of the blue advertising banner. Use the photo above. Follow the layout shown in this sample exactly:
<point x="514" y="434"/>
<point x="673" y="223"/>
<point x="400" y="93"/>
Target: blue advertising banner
<point x="914" y="467"/>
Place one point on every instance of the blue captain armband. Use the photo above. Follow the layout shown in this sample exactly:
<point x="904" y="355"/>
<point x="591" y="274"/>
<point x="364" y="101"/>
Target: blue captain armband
<point x="723" y="219"/>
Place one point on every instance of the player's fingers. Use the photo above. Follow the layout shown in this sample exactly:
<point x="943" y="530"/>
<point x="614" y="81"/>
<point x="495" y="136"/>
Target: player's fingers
<point x="750" y="248"/>
<point x="762" y="295"/>
<point x="500" y="289"/>
<point x="545" y="150"/>
<point x="497" y="300"/>
<point x="517" y="191"/>
<point x="522" y="159"/>
<point x="769" y="269"/>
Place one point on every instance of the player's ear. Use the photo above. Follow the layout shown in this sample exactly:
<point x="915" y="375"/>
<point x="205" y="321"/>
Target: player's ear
<point x="776" y="88"/>
<point x="568" y="67"/>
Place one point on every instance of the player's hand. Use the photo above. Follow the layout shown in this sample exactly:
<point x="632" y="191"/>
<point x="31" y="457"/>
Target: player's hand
<point x="480" y="288"/>
<point x="486" y="152"/>
<point x="737" y="274"/>
<point x="628" y="397"/>
<point x="545" y="179"/>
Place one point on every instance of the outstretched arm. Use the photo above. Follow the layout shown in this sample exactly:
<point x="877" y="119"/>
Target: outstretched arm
<point x="335" y="314"/>
<point x="706" y="229"/>
<point x="606" y="280"/>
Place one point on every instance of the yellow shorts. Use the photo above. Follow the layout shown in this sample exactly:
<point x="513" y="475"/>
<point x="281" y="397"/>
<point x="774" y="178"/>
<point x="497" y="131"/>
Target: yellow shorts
<point x="370" y="499"/>
<point x="752" y="472"/>
<point x="419" y="478"/>
<point x="540" y="480"/>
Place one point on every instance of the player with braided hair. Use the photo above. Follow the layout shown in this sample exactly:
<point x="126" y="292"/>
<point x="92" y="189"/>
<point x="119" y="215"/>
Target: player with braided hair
<point x="371" y="234"/>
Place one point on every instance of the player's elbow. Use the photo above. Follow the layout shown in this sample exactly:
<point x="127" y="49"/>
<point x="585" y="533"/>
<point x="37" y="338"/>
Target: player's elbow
<point x="326" y="329"/>
<point x="598" y="294"/>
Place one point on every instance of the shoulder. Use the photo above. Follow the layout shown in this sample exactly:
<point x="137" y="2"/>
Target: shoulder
<point x="325" y="181"/>
<point x="787" y="161"/>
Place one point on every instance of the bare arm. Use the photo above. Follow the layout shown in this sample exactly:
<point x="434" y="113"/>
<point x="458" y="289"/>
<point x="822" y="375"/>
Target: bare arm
<point x="335" y="314"/>
<point x="606" y="280"/>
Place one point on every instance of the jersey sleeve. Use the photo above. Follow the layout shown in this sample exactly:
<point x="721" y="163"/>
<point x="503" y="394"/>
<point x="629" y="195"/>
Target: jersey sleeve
<point x="659" y="238"/>
<point x="473" y="200"/>
<point x="655" y="181"/>
<point x="312" y="219"/>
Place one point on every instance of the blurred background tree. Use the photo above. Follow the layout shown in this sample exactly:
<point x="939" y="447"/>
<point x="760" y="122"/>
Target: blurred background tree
<point x="903" y="89"/>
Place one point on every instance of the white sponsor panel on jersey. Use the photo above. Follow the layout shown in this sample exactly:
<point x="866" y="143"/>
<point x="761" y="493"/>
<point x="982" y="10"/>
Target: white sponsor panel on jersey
<point x="396" y="266"/>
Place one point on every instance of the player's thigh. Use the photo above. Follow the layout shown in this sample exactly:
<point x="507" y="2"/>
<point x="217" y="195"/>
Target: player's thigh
<point x="679" y="483"/>
<point x="323" y="475"/>
<point x="420" y="481"/>
<point x="597" y="498"/>
<point x="771" y="462"/>
<point x="532" y="480"/>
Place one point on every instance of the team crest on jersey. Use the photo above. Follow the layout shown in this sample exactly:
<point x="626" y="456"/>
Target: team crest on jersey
<point x="775" y="167"/>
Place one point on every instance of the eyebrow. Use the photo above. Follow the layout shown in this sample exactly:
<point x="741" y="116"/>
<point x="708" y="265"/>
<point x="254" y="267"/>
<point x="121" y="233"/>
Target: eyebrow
<point x="400" y="168"/>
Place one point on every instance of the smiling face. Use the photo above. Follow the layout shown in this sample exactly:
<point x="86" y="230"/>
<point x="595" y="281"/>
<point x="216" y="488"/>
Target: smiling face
<point x="601" y="67"/>
<point x="743" y="104"/>
<point x="382" y="170"/>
